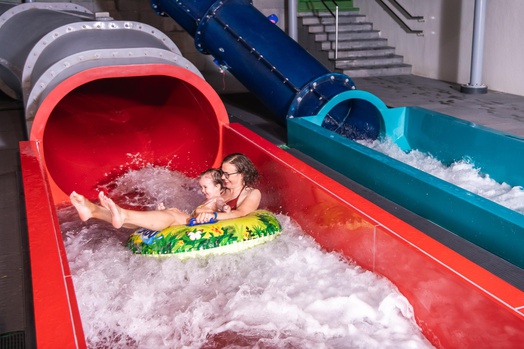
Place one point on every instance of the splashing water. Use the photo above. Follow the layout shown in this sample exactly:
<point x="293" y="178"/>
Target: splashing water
<point x="461" y="173"/>
<point x="287" y="293"/>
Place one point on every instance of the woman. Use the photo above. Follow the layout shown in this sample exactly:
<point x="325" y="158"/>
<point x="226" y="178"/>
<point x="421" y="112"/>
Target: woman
<point x="239" y="175"/>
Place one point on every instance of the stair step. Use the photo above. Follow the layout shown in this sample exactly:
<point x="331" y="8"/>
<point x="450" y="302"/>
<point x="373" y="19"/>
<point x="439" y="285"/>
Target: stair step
<point x="354" y="44"/>
<point x="361" y="52"/>
<point x="345" y="36"/>
<point x="356" y="53"/>
<point x="351" y="27"/>
<point x="351" y="18"/>
<point x="370" y="62"/>
<point x="321" y="8"/>
<point x="348" y="36"/>
<point x="327" y="14"/>
<point x="387" y="70"/>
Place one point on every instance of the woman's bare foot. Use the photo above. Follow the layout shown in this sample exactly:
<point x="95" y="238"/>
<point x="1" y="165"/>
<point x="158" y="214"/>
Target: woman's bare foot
<point x="117" y="213"/>
<point x="83" y="206"/>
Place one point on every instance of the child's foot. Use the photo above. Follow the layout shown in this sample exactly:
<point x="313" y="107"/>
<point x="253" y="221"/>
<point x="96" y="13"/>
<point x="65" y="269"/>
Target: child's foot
<point x="117" y="215"/>
<point x="82" y="205"/>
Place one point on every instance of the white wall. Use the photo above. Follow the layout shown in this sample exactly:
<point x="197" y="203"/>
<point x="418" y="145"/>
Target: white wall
<point x="444" y="52"/>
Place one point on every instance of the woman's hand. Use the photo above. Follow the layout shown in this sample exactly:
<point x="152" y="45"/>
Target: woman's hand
<point x="249" y="204"/>
<point x="204" y="217"/>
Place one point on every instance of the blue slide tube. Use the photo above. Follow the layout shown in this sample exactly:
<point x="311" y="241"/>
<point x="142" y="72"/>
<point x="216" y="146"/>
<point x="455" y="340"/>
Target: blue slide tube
<point x="276" y="69"/>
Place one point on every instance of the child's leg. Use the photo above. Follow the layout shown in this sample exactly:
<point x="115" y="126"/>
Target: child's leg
<point x="86" y="209"/>
<point x="154" y="220"/>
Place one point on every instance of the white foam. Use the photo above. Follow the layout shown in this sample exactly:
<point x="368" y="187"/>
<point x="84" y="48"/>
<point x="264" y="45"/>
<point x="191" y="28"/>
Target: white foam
<point x="461" y="173"/>
<point x="285" y="293"/>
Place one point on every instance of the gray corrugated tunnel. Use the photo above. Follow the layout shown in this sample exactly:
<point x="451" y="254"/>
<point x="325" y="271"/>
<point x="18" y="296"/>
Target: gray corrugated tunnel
<point x="100" y="94"/>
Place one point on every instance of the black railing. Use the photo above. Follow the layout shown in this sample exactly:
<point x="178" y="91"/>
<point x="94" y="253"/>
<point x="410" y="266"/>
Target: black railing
<point x="404" y="13"/>
<point x="327" y="7"/>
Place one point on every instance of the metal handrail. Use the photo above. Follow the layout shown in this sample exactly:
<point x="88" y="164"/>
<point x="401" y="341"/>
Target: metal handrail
<point x="399" y="20"/>
<point x="336" y="23"/>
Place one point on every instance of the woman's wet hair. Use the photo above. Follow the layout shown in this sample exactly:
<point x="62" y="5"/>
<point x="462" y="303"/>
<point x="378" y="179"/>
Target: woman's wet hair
<point x="244" y="166"/>
<point x="216" y="176"/>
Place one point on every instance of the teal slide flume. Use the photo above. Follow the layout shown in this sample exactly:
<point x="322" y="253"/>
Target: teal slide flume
<point x="479" y="220"/>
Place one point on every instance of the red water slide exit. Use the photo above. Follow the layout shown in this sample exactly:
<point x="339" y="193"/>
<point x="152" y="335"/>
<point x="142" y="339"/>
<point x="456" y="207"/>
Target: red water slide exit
<point x="93" y="115"/>
<point x="456" y="303"/>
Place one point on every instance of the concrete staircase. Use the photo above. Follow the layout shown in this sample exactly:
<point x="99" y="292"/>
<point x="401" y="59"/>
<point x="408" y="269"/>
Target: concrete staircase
<point x="362" y="52"/>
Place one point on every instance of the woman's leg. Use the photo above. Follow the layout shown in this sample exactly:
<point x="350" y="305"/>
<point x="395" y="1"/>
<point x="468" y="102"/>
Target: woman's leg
<point x="154" y="220"/>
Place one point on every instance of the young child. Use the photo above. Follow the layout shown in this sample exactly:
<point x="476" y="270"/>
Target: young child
<point x="212" y="187"/>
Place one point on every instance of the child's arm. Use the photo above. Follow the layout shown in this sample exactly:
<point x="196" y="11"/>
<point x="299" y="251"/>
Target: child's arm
<point x="222" y="206"/>
<point x="209" y="206"/>
<point x="249" y="204"/>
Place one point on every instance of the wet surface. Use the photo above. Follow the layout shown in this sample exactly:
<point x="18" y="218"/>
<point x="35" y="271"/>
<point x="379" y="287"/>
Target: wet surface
<point x="16" y="319"/>
<point x="500" y="111"/>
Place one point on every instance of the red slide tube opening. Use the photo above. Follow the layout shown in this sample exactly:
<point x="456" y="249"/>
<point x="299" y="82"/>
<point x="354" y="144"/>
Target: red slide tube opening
<point x="102" y="121"/>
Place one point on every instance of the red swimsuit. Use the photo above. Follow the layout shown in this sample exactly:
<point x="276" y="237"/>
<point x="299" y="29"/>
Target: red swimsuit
<point x="233" y="202"/>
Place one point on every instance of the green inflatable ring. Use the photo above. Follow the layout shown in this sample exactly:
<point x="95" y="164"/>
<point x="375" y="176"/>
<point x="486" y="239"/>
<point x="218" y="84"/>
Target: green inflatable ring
<point x="226" y="236"/>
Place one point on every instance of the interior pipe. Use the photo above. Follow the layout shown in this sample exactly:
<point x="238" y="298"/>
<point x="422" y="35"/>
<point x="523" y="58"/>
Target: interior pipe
<point x="275" y="68"/>
<point x="475" y="85"/>
<point x="292" y="19"/>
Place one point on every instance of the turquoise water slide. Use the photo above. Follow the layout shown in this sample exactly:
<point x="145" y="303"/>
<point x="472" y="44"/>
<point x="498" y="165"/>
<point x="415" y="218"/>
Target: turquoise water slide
<point x="479" y="220"/>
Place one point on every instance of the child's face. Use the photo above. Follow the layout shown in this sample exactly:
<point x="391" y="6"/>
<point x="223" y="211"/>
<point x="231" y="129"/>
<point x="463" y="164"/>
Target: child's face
<point x="208" y="188"/>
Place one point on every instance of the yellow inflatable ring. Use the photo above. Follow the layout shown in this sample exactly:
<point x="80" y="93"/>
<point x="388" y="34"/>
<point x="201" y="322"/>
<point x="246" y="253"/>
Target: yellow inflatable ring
<point x="225" y="236"/>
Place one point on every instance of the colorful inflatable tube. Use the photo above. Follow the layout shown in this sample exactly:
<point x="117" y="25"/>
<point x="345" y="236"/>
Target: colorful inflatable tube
<point x="226" y="236"/>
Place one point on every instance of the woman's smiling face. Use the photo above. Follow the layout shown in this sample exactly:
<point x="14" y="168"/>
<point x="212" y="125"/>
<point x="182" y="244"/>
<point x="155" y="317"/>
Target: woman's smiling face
<point x="231" y="176"/>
